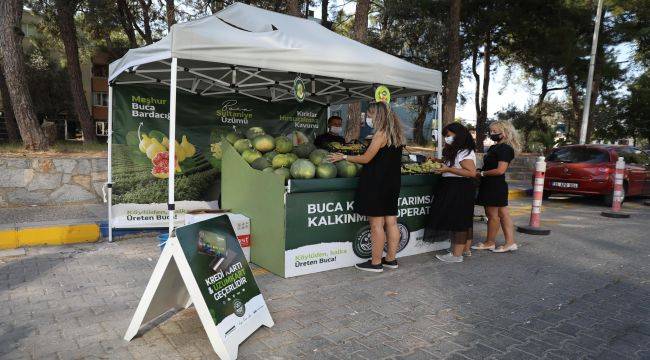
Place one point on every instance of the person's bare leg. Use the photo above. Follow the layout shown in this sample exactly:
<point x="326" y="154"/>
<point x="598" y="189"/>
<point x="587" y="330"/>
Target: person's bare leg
<point x="458" y="243"/>
<point x="507" y="225"/>
<point x="470" y="239"/>
<point x="378" y="238"/>
<point x="393" y="236"/>
<point x="494" y="223"/>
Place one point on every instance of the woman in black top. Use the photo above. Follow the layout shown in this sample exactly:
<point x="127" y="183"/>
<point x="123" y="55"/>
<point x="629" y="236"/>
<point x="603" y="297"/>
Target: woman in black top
<point x="379" y="185"/>
<point x="493" y="190"/>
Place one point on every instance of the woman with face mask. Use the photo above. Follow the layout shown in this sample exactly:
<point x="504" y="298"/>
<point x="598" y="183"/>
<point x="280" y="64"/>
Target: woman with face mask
<point x="379" y="185"/>
<point x="493" y="190"/>
<point x="452" y="210"/>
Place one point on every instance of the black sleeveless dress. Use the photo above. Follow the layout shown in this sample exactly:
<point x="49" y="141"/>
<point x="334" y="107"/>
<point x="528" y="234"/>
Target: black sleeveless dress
<point x="379" y="184"/>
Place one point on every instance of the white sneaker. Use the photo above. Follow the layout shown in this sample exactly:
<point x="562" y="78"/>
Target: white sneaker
<point x="503" y="249"/>
<point x="450" y="258"/>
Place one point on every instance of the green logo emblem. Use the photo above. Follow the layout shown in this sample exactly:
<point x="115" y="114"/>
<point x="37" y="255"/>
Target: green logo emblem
<point x="299" y="89"/>
<point x="382" y="94"/>
<point x="240" y="309"/>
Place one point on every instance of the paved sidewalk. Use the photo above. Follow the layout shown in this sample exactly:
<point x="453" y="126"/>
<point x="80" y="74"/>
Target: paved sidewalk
<point x="583" y="292"/>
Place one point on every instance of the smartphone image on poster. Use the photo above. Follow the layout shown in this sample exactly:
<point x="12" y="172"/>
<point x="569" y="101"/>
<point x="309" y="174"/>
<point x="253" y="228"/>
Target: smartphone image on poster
<point x="212" y="244"/>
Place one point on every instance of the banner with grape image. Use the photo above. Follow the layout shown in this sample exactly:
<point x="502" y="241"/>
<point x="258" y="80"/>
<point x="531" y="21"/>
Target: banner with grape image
<point x="140" y="145"/>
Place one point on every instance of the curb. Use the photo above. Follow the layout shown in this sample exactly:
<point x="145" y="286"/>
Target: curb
<point x="514" y="194"/>
<point x="48" y="235"/>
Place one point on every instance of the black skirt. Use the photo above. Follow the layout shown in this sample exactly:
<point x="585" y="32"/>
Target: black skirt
<point x="379" y="184"/>
<point x="452" y="208"/>
<point x="493" y="191"/>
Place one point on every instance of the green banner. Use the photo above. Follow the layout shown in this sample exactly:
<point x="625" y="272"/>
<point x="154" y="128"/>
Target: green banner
<point x="318" y="217"/>
<point x="140" y="139"/>
<point x="220" y="269"/>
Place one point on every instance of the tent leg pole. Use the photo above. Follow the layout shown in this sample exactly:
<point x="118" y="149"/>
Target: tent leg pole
<point x="172" y="143"/>
<point x="110" y="166"/>
<point x="439" y="130"/>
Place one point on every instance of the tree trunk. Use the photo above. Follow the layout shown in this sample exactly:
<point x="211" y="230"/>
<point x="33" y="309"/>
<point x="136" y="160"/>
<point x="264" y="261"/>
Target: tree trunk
<point x="545" y="79"/>
<point x="576" y="111"/>
<point x="481" y="120"/>
<point x="418" y="124"/>
<point x="124" y="16"/>
<point x="10" y="121"/>
<point x="359" y="31"/>
<point x="293" y="8"/>
<point x="68" y="32"/>
<point x="324" y="14"/>
<point x="170" y="12"/>
<point x="453" y="70"/>
<point x="145" y="6"/>
<point x="13" y="64"/>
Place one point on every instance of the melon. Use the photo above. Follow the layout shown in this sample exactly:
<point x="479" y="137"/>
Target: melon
<point x="303" y="169"/>
<point x="263" y="143"/>
<point x="261" y="163"/>
<point x="232" y="137"/>
<point x="283" y="144"/>
<point x="251" y="155"/>
<point x="292" y="157"/>
<point x="268" y="169"/>
<point x="346" y="169"/>
<point x="318" y="156"/>
<point x="298" y="138"/>
<point x="270" y="155"/>
<point x="281" y="160"/>
<point x="254" y="132"/>
<point x="284" y="172"/>
<point x="241" y="145"/>
<point x="326" y="170"/>
<point x="303" y="150"/>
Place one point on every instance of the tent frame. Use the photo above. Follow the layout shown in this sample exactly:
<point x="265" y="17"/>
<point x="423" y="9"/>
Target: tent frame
<point x="240" y="78"/>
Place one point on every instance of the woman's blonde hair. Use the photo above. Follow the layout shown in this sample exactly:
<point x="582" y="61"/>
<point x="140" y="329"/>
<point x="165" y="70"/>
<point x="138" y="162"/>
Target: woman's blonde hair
<point x="386" y="121"/>
<point x="510" y="134"/>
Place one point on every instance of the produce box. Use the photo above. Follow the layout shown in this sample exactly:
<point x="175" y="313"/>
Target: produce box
<point x="307" y="226"/>
<point x="240" y="223"/>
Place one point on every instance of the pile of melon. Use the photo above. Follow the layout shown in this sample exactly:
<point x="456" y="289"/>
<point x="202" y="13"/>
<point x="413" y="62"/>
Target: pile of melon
<point x="293" y="156"/>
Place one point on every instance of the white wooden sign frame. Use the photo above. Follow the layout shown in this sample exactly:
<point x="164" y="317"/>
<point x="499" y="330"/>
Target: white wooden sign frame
<point x="172" y="286"/>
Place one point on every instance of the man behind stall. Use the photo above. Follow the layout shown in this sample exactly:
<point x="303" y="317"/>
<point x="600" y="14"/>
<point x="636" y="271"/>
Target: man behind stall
<point x="333" y="134"/>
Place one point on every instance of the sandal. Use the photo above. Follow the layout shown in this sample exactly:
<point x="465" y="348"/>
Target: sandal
<point x="504" y="249"/>
<point x="482" y="246"/>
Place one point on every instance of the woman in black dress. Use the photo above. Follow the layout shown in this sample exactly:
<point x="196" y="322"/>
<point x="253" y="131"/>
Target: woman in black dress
<point x="452" y="209"/>
<point x="493" y="191"/>
<point x="379" y="185"/>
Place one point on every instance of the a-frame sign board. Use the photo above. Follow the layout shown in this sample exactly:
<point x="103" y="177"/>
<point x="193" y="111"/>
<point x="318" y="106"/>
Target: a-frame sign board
<point x="205" y="265"/>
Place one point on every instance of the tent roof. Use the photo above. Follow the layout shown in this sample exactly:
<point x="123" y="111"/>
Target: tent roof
<point x="256" y="52"/>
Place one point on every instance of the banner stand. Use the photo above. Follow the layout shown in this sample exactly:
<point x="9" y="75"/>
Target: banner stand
<point x="173" y="286"/>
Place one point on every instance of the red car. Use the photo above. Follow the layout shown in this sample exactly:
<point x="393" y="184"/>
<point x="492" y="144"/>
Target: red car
<point x="589" y="170"/>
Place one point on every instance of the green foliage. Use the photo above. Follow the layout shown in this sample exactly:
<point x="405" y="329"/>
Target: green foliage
<point x="142" y="188"/>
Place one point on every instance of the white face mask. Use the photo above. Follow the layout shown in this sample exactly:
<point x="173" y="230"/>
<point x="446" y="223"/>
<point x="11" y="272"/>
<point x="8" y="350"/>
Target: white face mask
<point x="449" y="140"/>
<point x="369" y="121"/>
<point x="336" y="130"/>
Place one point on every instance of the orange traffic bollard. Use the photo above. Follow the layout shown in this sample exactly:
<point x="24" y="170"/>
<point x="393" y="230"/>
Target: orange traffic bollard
<point x="618" y="192"/>
<point x="533" y="227"/>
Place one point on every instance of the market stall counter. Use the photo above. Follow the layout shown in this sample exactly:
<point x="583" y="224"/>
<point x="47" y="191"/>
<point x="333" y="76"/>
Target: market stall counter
<point x="308" y="226"/>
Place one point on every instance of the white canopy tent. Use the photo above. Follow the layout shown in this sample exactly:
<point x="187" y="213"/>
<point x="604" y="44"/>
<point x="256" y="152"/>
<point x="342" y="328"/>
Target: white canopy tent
<point x="257" y="53"/>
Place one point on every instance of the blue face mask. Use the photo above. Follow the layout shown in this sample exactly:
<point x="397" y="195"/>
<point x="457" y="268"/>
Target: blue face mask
<point x="449" y="140"/>
<point x="369" y="121"/>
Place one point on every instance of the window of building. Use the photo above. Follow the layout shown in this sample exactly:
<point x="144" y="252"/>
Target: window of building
<point x="101" y="128"/>
<point x="100" y="99"/>
<point x="100" y="70"/>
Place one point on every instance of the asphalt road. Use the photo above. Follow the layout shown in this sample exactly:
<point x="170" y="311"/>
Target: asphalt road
<point x="582" y="292"/>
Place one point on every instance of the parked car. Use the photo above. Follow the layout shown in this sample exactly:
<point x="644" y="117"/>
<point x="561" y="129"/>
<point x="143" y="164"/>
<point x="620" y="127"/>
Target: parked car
<point x="589" y="170"/>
